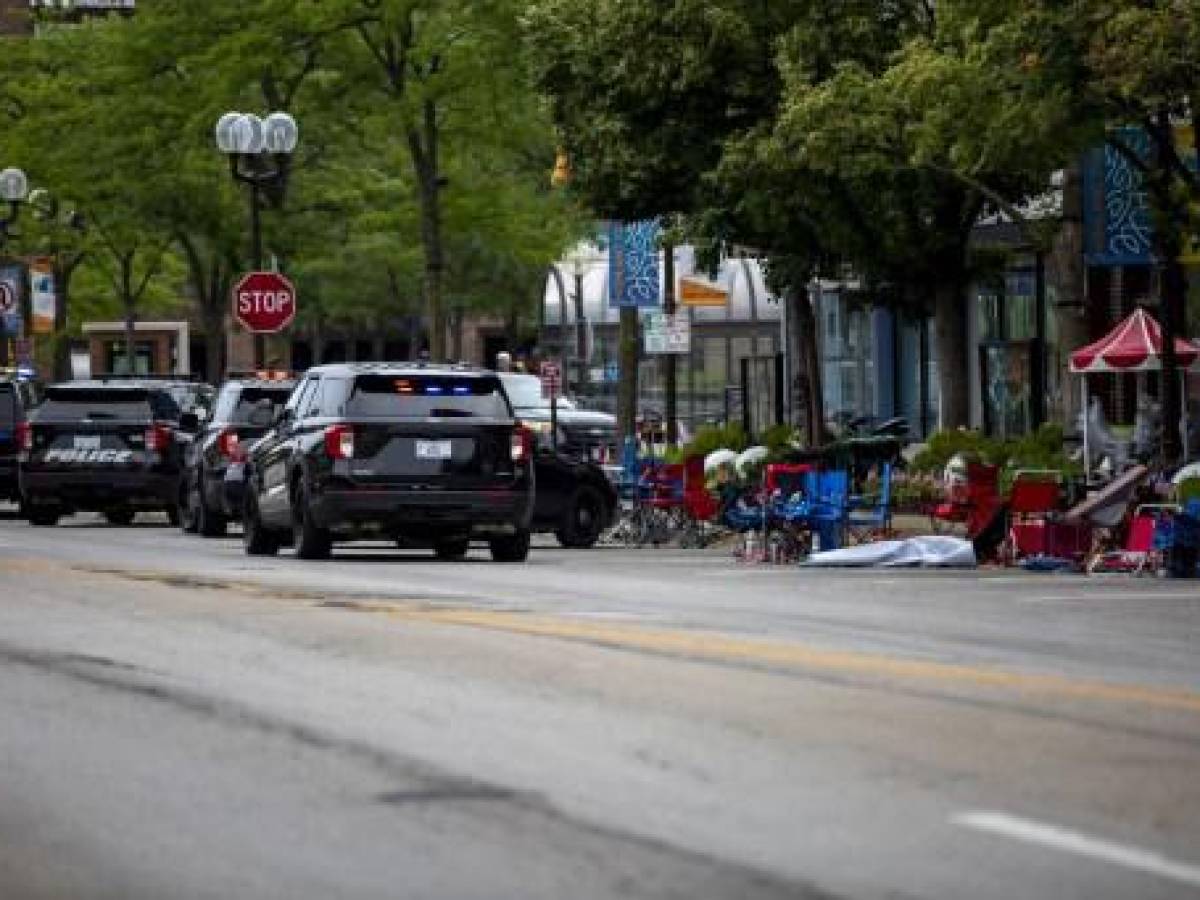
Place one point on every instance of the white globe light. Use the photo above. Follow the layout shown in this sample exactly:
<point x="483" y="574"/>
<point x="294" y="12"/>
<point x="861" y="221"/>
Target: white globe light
<point x="247" y="133"/>
<point x="280" y="133"/>
<point x="224" y="131"/>
<point x="14" y="186"/>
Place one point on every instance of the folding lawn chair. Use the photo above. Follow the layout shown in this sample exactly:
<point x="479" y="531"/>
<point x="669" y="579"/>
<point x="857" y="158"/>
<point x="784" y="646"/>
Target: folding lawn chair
<point x="1143" y="538"/>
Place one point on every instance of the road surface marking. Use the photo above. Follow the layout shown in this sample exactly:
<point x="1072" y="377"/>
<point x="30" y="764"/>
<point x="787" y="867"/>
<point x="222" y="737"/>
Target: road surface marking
<point x="1080" y="844"/>
<point x="713" y="646"/>
<point x="690" y="644"/>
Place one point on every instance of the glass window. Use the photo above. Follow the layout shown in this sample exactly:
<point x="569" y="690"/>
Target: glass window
<point x="300" y="396"/>
<point x="238" y="403"/>
<point x="65" y="404"/>
<point x="310" y="408"/>
<point x="427" y="396"/>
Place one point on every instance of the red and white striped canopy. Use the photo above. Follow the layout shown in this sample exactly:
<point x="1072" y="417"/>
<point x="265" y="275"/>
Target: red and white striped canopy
<point x="1133" y="346"/>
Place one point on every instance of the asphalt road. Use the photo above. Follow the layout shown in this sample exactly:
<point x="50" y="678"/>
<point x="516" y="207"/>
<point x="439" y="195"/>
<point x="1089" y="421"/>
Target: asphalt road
<point x="180" y="720"/>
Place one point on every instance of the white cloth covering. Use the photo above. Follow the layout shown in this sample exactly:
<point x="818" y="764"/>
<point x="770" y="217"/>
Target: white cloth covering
<point x="935" y="551"/>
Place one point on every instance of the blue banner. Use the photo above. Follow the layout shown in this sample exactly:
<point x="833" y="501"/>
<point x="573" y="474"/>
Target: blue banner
<point x="633" y="276"/>
<point x="1116" y="215"/>
<point x="11" y="280"/>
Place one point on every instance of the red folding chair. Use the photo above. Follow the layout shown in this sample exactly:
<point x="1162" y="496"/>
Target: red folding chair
<point x="1034" y="498"/>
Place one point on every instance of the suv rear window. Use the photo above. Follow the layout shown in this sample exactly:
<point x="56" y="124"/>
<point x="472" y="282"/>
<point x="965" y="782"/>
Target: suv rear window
<point x="427" y="396"/>
<point x="237" y="403"/>
<point x="73" y="404"/>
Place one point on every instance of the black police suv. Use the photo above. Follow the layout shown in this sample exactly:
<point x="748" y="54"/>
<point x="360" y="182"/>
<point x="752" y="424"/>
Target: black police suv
<point x="17" y="397"/>
<point x="109" y="446"/>
<point x="427" y="455"/>
<point x="576" y="499"/>
<point x="210" y="493"/>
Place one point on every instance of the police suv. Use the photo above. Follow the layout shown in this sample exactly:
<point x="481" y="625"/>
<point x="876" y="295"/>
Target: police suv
<point x="109" y="446"/>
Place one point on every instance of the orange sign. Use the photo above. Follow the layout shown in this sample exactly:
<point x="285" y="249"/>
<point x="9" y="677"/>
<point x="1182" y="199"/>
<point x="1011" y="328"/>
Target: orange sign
<point x="694" y="292"/>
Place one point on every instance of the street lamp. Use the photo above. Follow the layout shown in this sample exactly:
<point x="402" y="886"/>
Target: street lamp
<point x="259" y="152"/>
<point x="580" y="260"/>
<point x="14" y="188"/>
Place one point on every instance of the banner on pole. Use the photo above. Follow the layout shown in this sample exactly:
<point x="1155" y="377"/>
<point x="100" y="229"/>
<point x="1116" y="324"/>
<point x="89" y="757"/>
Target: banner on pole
<point x="43" y="299"/>
<point x="10" y="299"/>
<point x="633" y="270"/>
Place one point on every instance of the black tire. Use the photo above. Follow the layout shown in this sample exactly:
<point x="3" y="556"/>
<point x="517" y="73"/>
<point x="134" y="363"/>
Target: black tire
<point x="119" y="515"/>
<point x="452" y="549"/>
<point x="42" y="516"/>
<point x="583" y="520"/>
<point x="257" y="540"/>
<point x="209" y="524"/>
<point x="311" y="541"/>
<point x="512" y="548"/>
<point x="187" y="509"/>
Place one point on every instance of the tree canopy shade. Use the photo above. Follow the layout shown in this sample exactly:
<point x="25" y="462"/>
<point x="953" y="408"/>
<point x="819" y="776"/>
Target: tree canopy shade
<point x="831" y="134"/>
<point x="165" y="219"/>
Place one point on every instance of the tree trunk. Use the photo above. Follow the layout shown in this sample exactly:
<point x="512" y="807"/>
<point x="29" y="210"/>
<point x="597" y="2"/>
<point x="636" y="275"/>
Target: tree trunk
<point x="1065" y="271"/>
<point x="627" y="389"/>
<point x="807" y="377"/>
<point x="130" y="304"/>
<point x="424" y="150"/>
<point x="950" y="338"/>
<point x="63" y="271"/>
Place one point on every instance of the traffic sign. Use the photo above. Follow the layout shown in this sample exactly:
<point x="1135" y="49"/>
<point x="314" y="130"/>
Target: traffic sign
<point x="264" y="302"/>
<point x="551" y="374"/>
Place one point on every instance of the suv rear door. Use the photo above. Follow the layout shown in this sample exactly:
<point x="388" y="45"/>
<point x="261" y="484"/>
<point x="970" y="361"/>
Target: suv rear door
<point x="428" y="431"/>
<point x="82" y="428"/>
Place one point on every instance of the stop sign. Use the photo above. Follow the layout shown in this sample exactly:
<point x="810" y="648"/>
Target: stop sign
<point x="264" y="302"/>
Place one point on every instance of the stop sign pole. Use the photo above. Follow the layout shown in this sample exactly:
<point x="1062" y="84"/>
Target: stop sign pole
<point x="263" y="303"/>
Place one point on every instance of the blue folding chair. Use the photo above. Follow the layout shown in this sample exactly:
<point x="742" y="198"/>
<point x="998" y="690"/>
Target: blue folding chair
<point x="870" y="516"/>
<point x="830" y="505"/>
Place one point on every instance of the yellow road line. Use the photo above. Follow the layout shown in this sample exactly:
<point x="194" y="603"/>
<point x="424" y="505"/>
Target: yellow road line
<point x="710" y="646"/>
<point x="701" y="645"/>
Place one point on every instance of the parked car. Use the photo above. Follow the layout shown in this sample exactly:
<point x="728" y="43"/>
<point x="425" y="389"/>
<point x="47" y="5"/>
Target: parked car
<point x="113" y="446"/>
<point x="582" y="434"/>
<point x="17" y="397"/>
<point x="211" y="486"/>
<point x="576" y="500"/>
<point x="425" y="455"/>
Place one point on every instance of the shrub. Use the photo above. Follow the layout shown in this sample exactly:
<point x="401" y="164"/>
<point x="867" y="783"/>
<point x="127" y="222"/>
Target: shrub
<point x="716" y="437"/>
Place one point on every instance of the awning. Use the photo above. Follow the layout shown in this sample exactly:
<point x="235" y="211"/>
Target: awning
<point x="1133" y="346"/>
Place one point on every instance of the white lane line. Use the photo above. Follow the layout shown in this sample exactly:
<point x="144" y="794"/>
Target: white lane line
<point x="1104" y="595"/>
<point x="1080" y="844"/>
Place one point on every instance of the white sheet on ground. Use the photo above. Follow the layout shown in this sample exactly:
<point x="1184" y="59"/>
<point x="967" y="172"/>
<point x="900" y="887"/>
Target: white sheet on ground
<point x="934" y="552"/>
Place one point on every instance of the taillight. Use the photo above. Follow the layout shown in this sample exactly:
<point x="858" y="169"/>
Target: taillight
<point x="24" y="436"/>
<point x="158" y="438"/>
<point x="339" y="442"/>
<point x="230" y="446"/>
<point x="522" y="444"/>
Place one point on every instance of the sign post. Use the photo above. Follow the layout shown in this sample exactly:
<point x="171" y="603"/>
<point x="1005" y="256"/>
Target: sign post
<point x="551" y="374"/>
<point x="263" y="303"/>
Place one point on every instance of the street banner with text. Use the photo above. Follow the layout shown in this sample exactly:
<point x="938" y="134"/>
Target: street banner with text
<point x="43" y="299"/>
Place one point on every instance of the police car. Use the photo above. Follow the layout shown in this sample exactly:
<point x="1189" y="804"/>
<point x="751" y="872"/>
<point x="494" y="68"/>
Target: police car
<point x="109" y="446"/>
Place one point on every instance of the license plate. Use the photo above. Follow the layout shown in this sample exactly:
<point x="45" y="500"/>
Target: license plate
<point x="87" y="442"/>
<point x="434" y="449"/>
